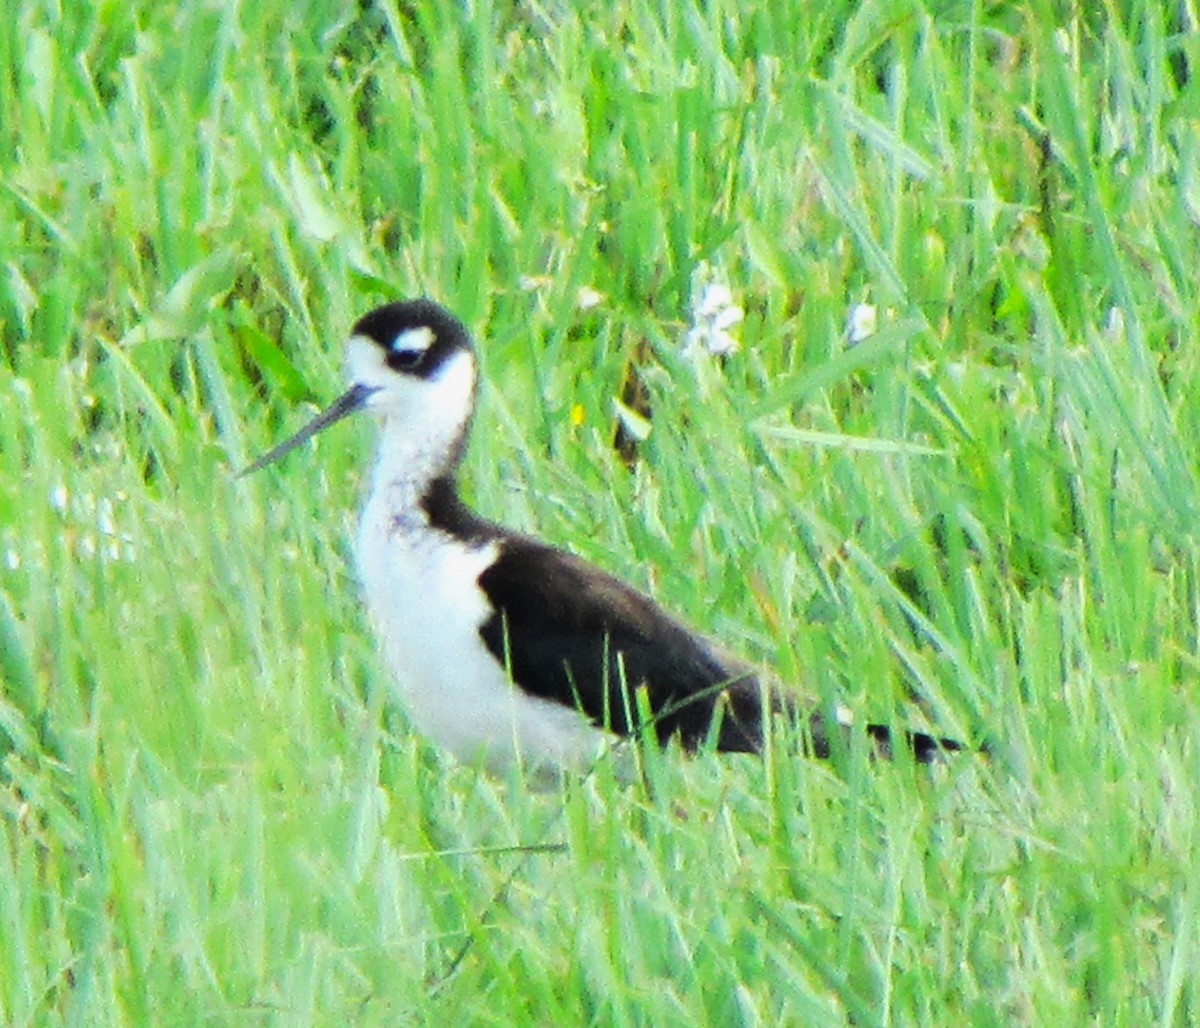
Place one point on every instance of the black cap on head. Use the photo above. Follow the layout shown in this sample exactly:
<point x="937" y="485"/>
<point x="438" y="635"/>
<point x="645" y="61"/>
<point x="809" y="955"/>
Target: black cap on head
<point x="417" y="336"/>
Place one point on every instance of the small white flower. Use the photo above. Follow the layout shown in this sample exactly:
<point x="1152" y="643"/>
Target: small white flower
<point x="12" y="560"/>
<point x="715" y="299"/>
<point x="862" y="322"/>
<point x="712" y="317"/>
<point x="587" y="298"/>
<point x="59" y="498"/>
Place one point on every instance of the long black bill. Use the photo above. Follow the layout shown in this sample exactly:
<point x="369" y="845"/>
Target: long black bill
<point x="350" y="401"/>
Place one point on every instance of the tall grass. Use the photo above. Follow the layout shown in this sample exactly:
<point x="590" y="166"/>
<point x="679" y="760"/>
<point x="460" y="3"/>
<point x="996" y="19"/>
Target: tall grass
<point x="980" y="519"/>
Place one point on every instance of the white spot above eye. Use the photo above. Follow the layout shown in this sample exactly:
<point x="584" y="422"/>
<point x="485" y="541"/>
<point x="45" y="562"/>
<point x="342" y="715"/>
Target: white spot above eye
<point x="414" y="340"/>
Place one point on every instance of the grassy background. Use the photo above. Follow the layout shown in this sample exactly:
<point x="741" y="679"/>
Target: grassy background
<point x="982" y="518"/>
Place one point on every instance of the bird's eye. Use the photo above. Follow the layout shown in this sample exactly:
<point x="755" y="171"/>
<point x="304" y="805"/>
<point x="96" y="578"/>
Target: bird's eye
<point x="409" y="347"/>
<point x="405" y="359"/>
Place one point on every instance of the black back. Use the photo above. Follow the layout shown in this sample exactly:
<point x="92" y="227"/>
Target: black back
<point x="569" y="632"/>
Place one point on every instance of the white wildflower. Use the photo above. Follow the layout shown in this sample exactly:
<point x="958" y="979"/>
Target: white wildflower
<point x="713" y="315"/>
<point x="586" y="298"/>
<point x="862" y="322"/>
<point x="715" y="299"/>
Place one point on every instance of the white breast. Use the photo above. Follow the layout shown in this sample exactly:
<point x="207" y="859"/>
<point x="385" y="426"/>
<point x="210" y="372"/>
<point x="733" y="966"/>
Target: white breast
<point x="426" y="606"/>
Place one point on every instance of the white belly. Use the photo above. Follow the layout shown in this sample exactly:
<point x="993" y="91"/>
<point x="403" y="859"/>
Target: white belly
<point x="426" y="607"/>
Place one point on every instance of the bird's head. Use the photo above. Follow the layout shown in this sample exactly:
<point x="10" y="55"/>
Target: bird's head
<point x="410" y="363"/>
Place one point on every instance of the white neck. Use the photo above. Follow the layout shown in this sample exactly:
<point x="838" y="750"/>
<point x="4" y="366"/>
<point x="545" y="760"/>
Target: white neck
<point x="404" y="468"/>
<point x="422" y="424"/>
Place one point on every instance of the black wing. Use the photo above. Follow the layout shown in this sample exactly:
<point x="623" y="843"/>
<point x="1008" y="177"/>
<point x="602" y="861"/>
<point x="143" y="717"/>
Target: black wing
<point x="572" y="633"/>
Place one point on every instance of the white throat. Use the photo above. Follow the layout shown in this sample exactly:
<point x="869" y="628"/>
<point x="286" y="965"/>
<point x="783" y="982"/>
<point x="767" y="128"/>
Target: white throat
<point x="422" y="422"/>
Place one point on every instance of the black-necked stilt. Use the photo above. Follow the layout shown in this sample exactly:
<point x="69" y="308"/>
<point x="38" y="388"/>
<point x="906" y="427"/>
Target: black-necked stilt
<point x="500" y="646"/>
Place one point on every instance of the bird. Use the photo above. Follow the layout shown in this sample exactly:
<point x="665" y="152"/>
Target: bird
<point x="503" y="648"/>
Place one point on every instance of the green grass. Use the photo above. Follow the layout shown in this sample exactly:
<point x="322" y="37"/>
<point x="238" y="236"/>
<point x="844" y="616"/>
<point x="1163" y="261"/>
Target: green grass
<point x="981" y="519"/>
